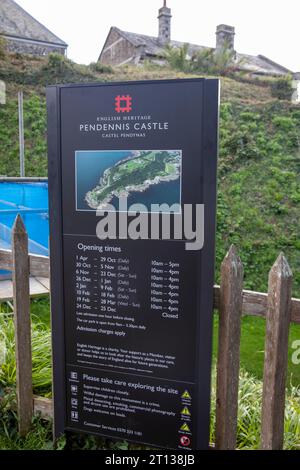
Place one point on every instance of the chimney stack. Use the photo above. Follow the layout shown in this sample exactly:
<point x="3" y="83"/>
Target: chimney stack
<point x="225" y="37"/>
<point x="164" y="23"/>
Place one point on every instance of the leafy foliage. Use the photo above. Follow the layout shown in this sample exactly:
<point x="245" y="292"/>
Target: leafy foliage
<point x="215" y="62"/>
<point x="59" y="69"/>
<point x="101" y="68"/>
<point x="209" y="61"/>
<point x="249" y="415"/>
<point x="282" y="88"/>
<point x="35" y="137"/>
<point x="259" y="188"/>
<point x="41" y="356"/>
<point x="53" y="69"/>
<point x="178" y="58"/>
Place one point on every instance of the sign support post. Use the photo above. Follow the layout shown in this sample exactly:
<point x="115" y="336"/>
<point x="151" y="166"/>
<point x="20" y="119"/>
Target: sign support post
<point x="21" y="134"/>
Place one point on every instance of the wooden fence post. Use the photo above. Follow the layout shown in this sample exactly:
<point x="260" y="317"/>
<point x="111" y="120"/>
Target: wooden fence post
<point x="22" y="325"/>
<point x="231" y="301"/>
<point x="276" y="354"/>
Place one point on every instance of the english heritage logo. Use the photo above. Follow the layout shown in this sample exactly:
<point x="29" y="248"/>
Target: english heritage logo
<point x="123" y="104"/>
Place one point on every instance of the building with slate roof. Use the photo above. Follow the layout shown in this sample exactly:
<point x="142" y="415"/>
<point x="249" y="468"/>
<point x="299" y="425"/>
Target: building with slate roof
<point x="24" y="34"/>
<point x="123" y="47"/>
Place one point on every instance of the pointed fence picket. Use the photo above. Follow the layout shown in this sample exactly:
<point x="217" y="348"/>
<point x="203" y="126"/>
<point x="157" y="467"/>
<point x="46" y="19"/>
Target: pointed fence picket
<point x="228" y="364"/>
<point x="230" y="300"/>
<point x="22" y="325"/>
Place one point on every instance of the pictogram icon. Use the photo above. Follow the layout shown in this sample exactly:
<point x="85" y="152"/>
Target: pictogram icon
<point x="186" y="395"/>
<point x="185" y="427"/>
<point x="185" y="441"/>
<point x="186" y="411"/>
<point x="123" y="103"/>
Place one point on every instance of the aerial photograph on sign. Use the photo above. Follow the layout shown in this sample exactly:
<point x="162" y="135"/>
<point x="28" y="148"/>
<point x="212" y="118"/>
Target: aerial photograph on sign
<point x="143" y="176"/>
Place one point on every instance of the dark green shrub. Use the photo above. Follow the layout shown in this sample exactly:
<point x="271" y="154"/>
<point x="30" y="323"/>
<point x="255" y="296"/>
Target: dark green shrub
<point x="178" y="58"/>
<point x="56" y="61"/>
<point x="203" y="60"/>
<point x="282" y="88"/>
<point x="207" y="61"/>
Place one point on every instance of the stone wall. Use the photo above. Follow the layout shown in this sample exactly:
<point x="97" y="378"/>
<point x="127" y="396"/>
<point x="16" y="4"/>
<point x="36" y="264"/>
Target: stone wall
<point x="112" y="37"/>
<point x="32" y="48"/>
<point x="119" y="50"/>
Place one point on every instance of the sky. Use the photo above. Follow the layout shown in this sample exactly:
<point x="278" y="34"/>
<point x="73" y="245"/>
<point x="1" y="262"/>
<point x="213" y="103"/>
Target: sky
<point x="267" y="27"/>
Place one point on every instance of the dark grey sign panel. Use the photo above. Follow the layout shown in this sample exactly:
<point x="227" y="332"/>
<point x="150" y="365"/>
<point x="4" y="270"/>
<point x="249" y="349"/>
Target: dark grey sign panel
<point x="132" y="318"/>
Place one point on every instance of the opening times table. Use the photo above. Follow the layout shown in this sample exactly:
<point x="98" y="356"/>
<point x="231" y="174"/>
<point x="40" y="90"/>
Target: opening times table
<point x="106" y="285"/>
<point x="124" y="314"/>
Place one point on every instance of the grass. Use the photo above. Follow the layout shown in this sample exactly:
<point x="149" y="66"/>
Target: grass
<point x="39" y="438"/>
<point x="250" y="397"/>
<point x="252" y="348"/>
<point x="41" y="355"/>
<point x="40" y="311"/>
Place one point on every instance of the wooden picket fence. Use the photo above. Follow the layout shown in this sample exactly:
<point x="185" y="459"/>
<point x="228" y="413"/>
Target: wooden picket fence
<point x="277" y="307"/>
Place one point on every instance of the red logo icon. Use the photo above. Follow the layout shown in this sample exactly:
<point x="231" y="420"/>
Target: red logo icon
<point x="123" y="103"/>
<point x="185" y="441"/>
